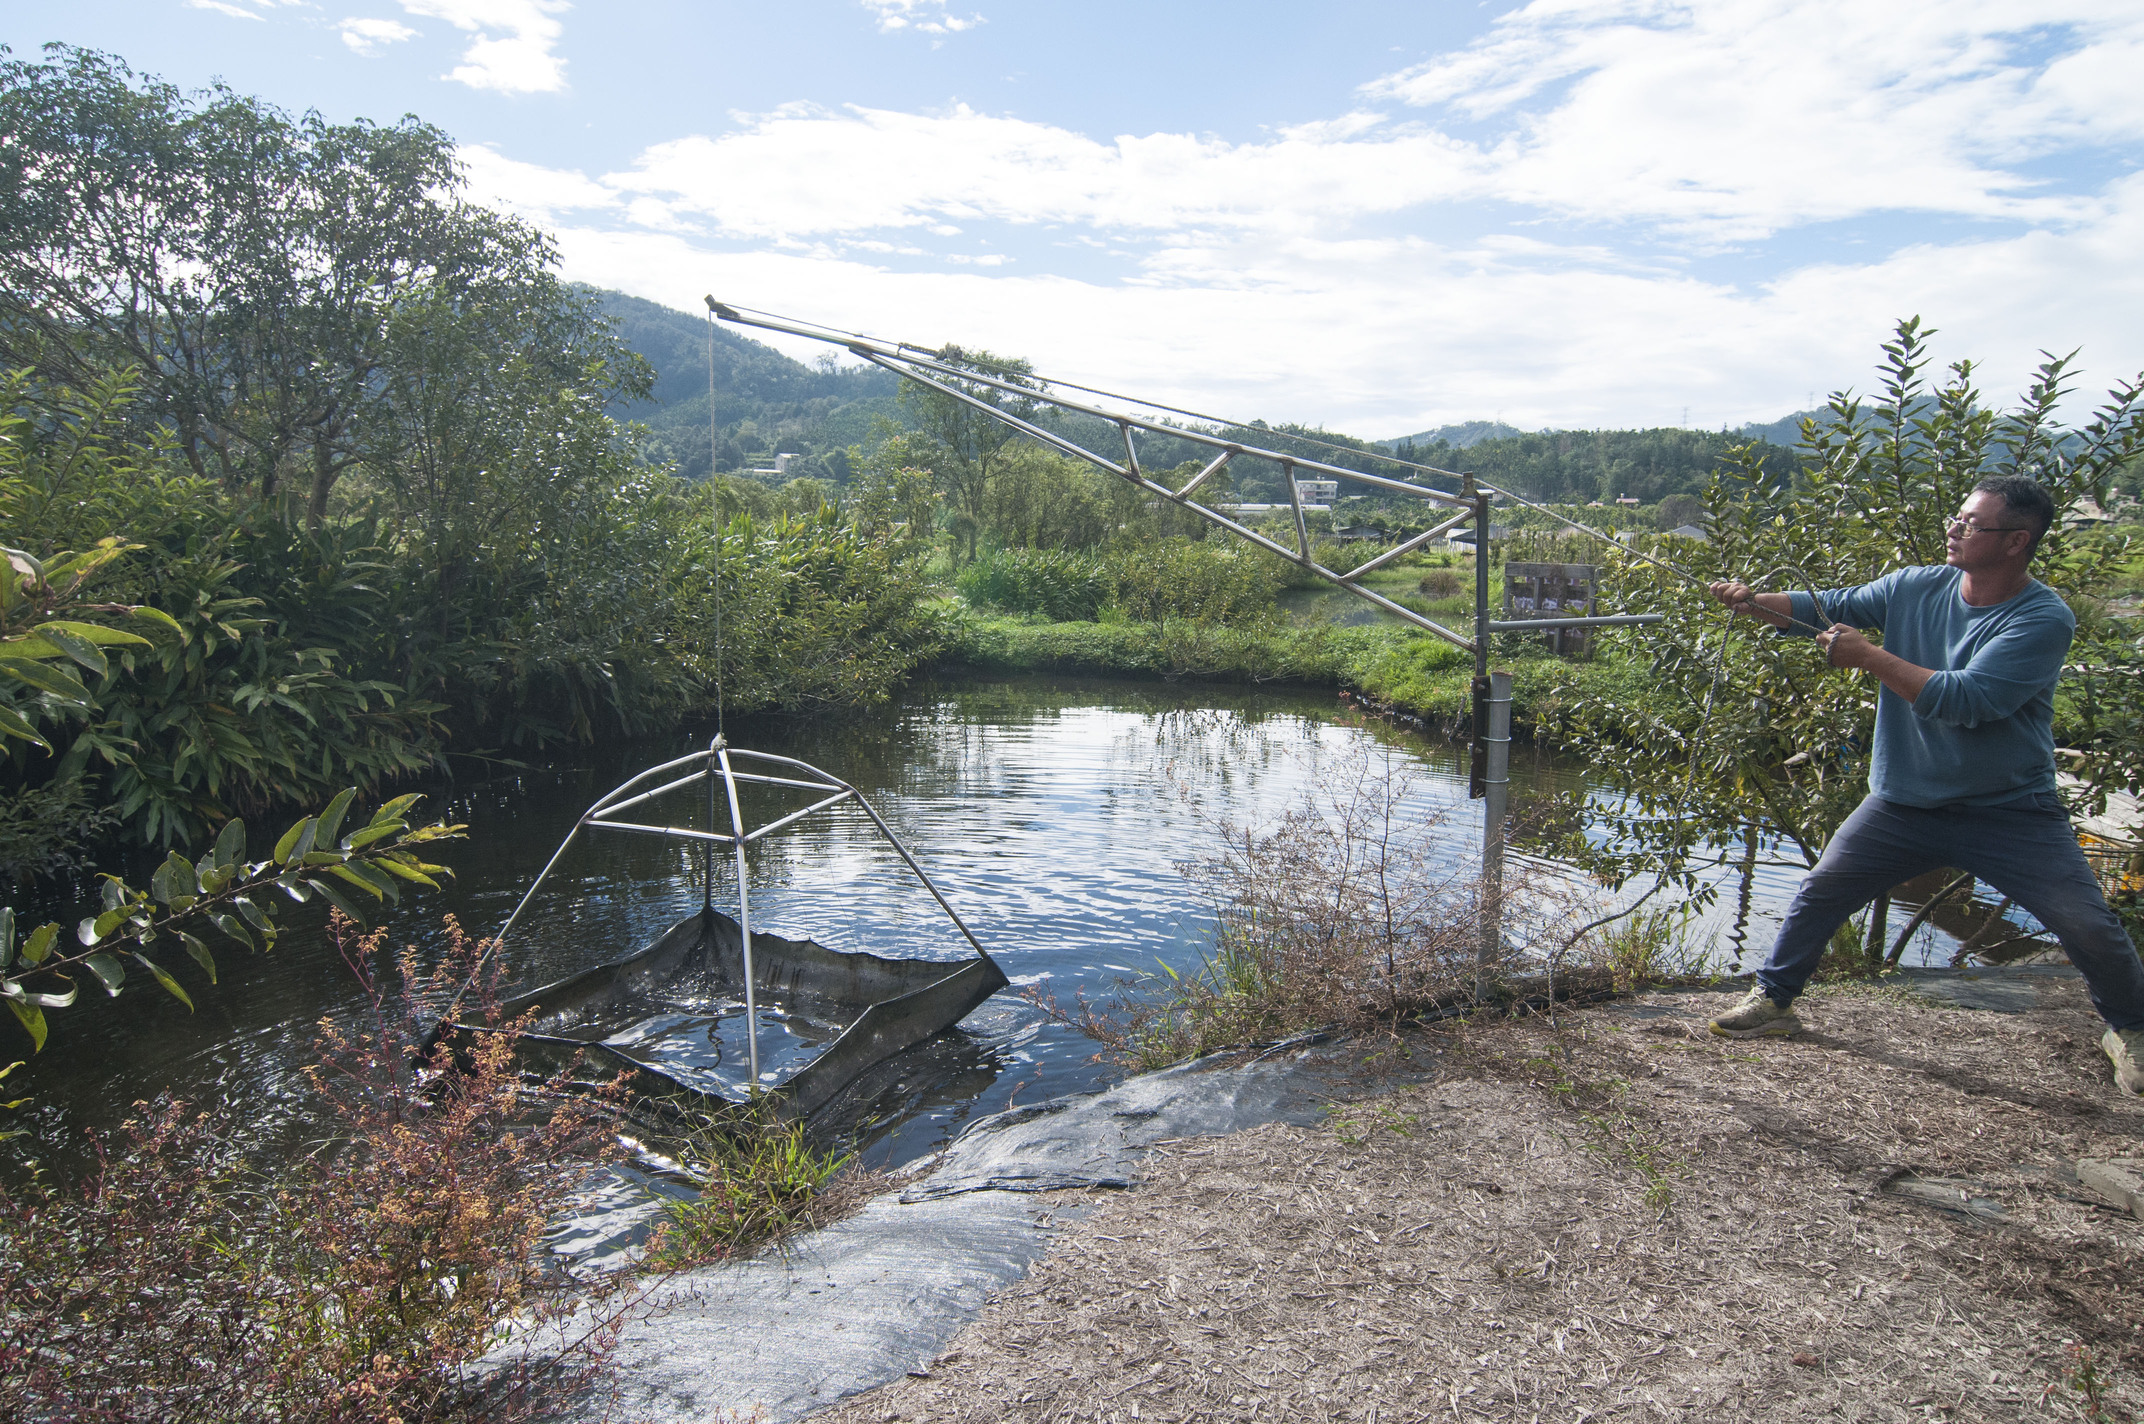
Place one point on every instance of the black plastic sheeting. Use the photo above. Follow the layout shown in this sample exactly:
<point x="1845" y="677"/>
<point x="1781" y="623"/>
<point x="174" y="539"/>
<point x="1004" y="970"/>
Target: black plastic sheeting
<point x="866" y="1300"/>
<point x="863" y="1008"/>
<point x="2001" y="989"/>
<point x="857" y="1305"/>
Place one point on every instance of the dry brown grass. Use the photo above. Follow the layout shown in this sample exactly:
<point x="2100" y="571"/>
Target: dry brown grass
<point x="1620" y="1218"/>
<point x="1347" y="911"/>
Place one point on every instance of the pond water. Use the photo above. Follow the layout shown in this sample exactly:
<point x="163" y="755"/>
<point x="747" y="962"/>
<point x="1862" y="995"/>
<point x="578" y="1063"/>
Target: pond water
<point x="1054" y="814"/>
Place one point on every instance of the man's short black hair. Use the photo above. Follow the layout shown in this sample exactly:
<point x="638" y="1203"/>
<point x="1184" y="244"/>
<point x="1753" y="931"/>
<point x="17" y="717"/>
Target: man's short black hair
<point x="2026" y="500"/>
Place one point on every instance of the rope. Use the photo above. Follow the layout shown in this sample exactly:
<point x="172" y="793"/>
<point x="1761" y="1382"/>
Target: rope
<point x="1046" y="383"/>
<point x="1704" y="722"/>
<point x="714" y="504"/>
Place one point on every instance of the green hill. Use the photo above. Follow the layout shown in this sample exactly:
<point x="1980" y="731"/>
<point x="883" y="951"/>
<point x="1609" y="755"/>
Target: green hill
<point x="1459" y="437"/>
<point x="765" y="403"/>
<point x="1578" y="466"/>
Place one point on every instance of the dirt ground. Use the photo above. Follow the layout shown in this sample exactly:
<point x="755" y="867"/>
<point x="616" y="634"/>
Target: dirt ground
<point x="1617" y="1217"/>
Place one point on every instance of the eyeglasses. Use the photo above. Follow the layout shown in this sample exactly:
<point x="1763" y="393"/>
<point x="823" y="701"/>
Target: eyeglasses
<point x="1970" y="528"/>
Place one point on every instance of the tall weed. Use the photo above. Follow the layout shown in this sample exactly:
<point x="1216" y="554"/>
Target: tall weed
<point x="1350" y="911"/>
<point x="1197" y="581"/>
<point x="1062" y="587"/>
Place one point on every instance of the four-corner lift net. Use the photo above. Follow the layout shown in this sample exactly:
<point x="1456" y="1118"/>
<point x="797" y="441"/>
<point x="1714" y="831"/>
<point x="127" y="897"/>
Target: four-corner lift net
<point x="707" y="978"/>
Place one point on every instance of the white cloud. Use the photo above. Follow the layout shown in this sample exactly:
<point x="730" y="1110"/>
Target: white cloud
<point x="1531" y="221"/>
<point x="248" y="10"/>
<point x="1383" y="337"/>
<point x="1733" y="119"/>
<point x="514" y="48"/>
<point x="371" y="37"/>
<point x="544" y="195"/>
<point x="805" y="170"/>
<point x="928" y="17"/>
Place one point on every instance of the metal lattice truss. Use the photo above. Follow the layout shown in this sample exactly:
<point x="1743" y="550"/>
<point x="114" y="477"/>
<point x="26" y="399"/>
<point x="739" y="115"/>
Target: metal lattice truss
<point x="959" y="383"/>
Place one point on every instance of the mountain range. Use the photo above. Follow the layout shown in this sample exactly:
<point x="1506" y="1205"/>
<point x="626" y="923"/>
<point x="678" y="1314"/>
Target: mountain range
<point x="765" y="403"/>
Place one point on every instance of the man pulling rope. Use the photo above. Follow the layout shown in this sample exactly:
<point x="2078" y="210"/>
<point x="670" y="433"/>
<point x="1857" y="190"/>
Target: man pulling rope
<point x="1963" y="772"/>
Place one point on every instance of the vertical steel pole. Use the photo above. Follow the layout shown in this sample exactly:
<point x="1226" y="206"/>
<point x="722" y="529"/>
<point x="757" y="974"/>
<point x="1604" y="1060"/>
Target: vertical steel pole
<point x="1478" y="710"/>
<point x="1481" y="577"/>
<point x="1494" y="805"/>
<point x="744" y="911"/>
<point x="707" y="848"/>
<point x="1492" y="753"/>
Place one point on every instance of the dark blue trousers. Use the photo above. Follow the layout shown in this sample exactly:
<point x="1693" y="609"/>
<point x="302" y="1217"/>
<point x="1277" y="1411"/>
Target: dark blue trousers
<point x="2025" y="849"/>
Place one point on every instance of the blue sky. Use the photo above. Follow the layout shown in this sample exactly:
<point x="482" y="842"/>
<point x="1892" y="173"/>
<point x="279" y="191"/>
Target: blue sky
<point x="1378" y="217"/>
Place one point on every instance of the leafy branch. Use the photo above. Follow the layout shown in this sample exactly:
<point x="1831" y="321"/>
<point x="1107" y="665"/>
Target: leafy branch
<point x="219" y="891"/>
<point x="41" y="605"/>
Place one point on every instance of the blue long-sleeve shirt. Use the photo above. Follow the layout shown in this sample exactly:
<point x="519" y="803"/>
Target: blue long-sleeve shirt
<point x="1982" y="731"/>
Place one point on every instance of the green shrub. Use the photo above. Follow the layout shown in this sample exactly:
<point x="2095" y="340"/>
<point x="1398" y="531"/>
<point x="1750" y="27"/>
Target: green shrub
<point x="44" y="830"/>
<point x="1441" y="583"/>
<point x="1062" y="587"/>
<point x="1200" y="581"/>
<point x="305" y="658"/>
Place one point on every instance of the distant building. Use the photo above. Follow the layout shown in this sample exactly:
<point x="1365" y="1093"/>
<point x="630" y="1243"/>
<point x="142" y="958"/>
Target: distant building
<point x="1689" y="531"/>
<point x="2084" y="512"/>
<point x="1463" y="539"/>
<point x="1628" y="499"/>
<point x="1304" y="489"/>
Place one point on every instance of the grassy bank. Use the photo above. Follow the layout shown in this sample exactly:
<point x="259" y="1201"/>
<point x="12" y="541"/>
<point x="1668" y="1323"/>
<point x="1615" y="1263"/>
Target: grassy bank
<point x="1396" y="670"/>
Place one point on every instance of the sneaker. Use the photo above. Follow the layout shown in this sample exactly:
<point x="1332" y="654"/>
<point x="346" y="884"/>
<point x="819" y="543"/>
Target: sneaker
<point x="1760" y="1016"/>
<point x="2126" y="1047"/>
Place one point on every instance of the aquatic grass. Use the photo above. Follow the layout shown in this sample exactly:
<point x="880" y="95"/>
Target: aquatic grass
<point x="761" y="1179"/>
<point x="1647" y="948"/>
<point x="1062" y="587"/>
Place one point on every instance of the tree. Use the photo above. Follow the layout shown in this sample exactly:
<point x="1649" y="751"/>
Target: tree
<point x="261" y="683"/>
<point x="1739" y="743"/>
<point x="1039" y="499"/>
<point x="969" y="443"/>
<point x="1677" y="510"/>
<point x="492" y="423"/>
<point x="889" y="494"/>
<point x="245" y="262"/>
